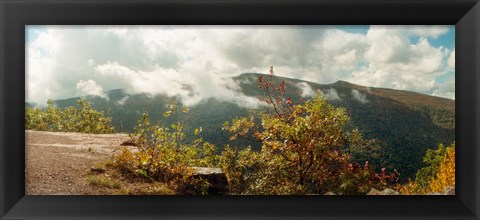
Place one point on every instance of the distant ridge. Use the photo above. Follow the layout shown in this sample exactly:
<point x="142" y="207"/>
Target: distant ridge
<point x="404" y="124"/>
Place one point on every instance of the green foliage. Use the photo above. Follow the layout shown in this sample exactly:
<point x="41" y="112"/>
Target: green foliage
<point x="403" y="124"/>
<point x="432" y="160"/>
<point x="446" y="172"/>
<point x="302" y="152"/>
<point x="301" y="156"/>
<point x="239" y="127"/>
<point x="438" y="173"/>
<point x="311" y="147"/>
<point x="441" y="117"/>
<point x="258" y="173"/>
<point x="164" y="155"/>
<point x="83" y="119"/>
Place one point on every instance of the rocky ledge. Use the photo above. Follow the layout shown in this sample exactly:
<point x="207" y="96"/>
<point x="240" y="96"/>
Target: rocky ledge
<point x="218" y="183"/>
<point x="449" y="190"/>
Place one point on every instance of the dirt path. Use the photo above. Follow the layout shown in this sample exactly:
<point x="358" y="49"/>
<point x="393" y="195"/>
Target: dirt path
<point x="57" y="163"/>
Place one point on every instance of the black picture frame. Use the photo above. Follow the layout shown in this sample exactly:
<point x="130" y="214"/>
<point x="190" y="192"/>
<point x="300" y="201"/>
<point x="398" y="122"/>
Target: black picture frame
<point x="15" y="14"/>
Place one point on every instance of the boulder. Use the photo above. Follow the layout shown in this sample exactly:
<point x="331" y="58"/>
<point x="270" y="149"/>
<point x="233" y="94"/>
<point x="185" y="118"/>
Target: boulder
<point x="329" y="193"/>
<point x="128" y="143"/>
<point x="97" y="170"/>
<point x="373" y="192"/>
<point x="386" y="191"/>
<point x="218" y="183"/>
<point x="449" y="190"/>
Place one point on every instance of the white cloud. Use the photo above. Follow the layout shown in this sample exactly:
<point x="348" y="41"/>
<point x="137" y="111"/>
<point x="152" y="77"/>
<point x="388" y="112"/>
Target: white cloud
<point x="190" y="87"/>
<point x="331" y="95"/>
<point x="347" y="59"/>
<point x="195" y="63"/>
<point x="123" y="100"/>
<point x="90" y="87"/>
<point x="451" y="60"/>
<point x="40" y="81"/>
<point x="160" y="80"/>
<point x="426" y="31"/>
<point x="91" y="62"/>
<point x="386" y="45"/>
<point x="362" y="98"/>
<point x="394" y="62"/>
<point x="445" y="88"/>
<point x="305" y="89"/>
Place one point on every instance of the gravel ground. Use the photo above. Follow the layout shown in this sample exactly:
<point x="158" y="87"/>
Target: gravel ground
<point x="57" y="163"/>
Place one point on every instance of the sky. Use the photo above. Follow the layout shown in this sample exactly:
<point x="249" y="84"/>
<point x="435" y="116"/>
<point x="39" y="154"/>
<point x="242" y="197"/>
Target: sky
<point x="197" y="62"/>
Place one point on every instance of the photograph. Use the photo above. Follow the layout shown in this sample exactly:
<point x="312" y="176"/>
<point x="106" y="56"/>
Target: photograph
<point x="317" y="110"/>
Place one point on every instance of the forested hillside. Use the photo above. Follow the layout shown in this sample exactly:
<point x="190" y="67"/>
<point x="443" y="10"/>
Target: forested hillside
<point x="401" y="125"/>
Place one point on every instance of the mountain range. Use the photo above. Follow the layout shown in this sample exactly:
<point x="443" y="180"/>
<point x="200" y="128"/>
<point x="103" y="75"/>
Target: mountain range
<point x="402" y="124"/>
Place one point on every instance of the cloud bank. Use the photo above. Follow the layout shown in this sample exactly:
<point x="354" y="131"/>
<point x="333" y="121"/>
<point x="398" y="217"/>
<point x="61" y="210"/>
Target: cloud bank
<point x="90" y="88"/>
<point x="362" y="98"/>
<point x="305" y="89"/>
<point x="123" y="100"/>
<point x="193" y="63"/>
<point x="332" y="94"/>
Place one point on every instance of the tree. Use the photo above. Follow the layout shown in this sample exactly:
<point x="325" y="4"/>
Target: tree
<point x="446" y="172"/>
<point x="438" y="173"/>
<point x="305" y="145"/>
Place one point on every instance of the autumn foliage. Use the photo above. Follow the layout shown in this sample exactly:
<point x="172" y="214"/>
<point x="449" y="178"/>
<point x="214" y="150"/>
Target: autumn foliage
<point x="438" y="173"/>
<point x="163" y="155"/>
<point x="303" y="149"/>
<point x="307" y="148"/>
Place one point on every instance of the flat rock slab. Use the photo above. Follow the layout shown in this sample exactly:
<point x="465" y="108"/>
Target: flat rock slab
<point x="57" y="163"/>
<point x="207" y="170"/>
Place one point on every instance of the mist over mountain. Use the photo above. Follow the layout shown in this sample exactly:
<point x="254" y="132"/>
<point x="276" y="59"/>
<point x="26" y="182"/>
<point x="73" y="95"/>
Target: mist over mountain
<point x="403" y="124"/>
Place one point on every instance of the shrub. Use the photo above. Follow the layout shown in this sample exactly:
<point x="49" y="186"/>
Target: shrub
<point x="303" y="150"/>
<point x="83" y="119"/>
<point x="446" y="172"/>
<point x="163" y="155"/>
<point x="438" y="173"/>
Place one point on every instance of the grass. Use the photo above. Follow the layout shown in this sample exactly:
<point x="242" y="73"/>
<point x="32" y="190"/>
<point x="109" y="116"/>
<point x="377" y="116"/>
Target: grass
<point x="124" y="191"/>
<point x="103" y="181"/>
<point x="137" y="188"/>
<point x="156" y="189"/>
<point x="103" y="176"/>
